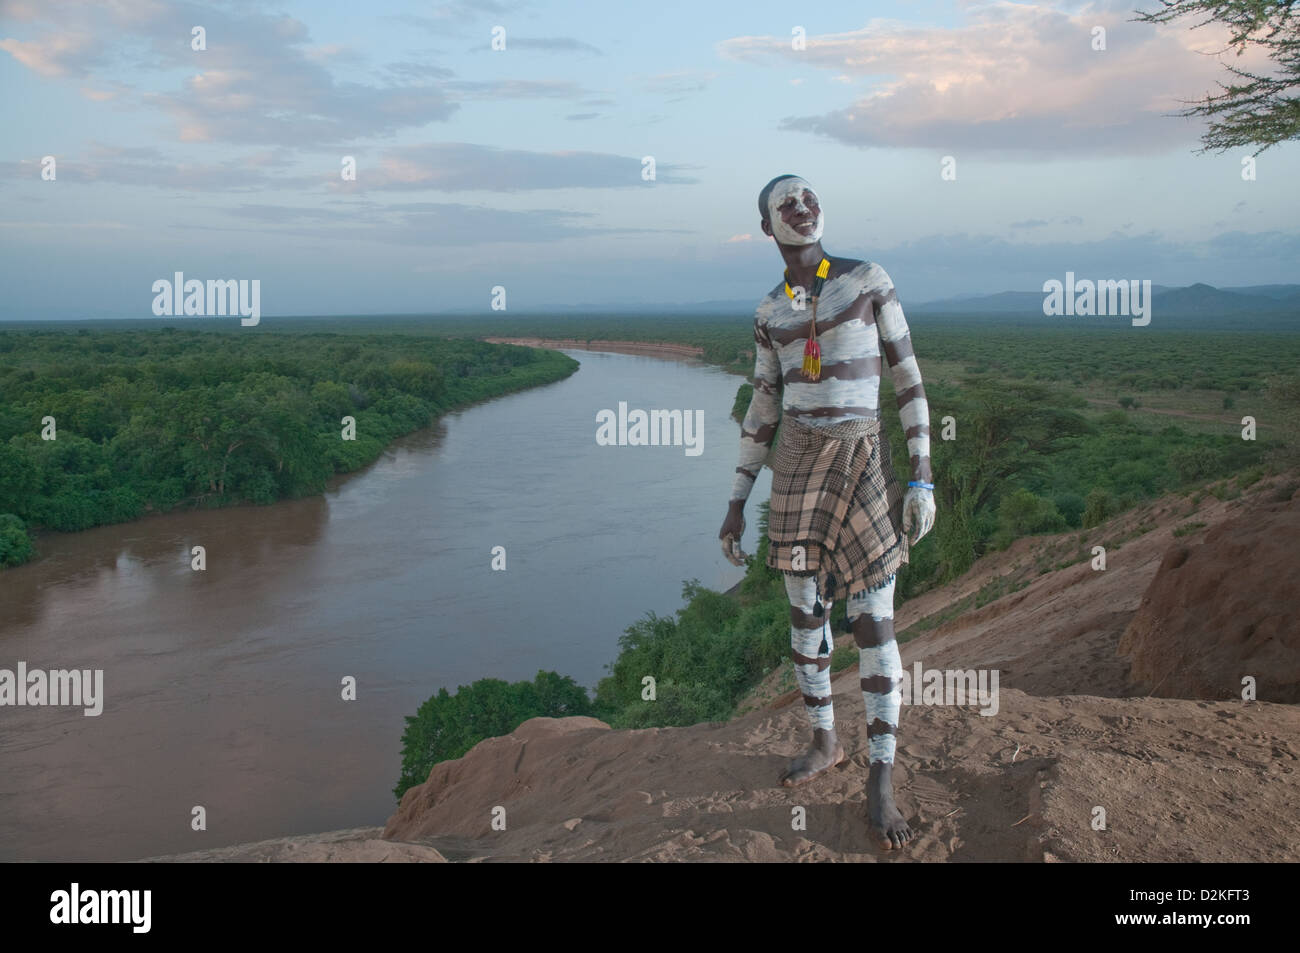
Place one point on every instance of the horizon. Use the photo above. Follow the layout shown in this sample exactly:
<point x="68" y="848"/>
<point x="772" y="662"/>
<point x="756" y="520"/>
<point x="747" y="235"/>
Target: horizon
<point x="525" y="168"/>
<point x="682" y="309"/>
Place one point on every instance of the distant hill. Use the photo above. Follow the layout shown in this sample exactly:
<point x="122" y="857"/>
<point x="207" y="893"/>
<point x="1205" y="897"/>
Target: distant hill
<point x="1280" y="292"/>
<point x="1005" y="302"/>
<point x="1193" y="301"/>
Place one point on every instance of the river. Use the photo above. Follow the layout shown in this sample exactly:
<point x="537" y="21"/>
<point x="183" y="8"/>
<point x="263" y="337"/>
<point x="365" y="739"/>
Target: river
<point x="223" y="687"/>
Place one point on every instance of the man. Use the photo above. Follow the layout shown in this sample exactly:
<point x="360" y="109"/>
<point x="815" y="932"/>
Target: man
<point x="837" y="522"/>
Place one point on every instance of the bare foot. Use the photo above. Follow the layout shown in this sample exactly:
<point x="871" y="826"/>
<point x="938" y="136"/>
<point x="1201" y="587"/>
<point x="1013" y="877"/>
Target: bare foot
<point x="824" y="754"/>
<point x="887" y="822"/>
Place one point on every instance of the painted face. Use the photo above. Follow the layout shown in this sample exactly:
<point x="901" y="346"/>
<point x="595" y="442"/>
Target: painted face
<point x="795" y="213"/>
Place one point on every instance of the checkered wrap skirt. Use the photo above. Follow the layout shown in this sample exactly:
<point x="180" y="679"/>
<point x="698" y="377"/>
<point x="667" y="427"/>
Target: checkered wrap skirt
<point x="834" y="493"/>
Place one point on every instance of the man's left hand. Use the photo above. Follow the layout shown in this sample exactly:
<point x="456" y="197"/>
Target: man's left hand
<point x="918" y="513"/>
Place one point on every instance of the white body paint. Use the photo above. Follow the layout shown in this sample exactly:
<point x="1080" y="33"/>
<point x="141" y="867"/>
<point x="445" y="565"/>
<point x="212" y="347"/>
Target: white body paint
<point x="850" y="340"/>
<point x="875" y="661"/>
<point x="786" y="235"/>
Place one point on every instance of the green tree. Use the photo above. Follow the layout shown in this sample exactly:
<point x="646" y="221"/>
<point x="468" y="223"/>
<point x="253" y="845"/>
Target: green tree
<point x="1071" y="507"/>
<point x="1251" y="109"/>
<point x="1022" y="513"/>
<point x="446" y="726"/>
<point x="15" y="544"/>
<point x="1100" y="506"/>
<point x="419" y="378"/>
<point x="1004" y="431"/>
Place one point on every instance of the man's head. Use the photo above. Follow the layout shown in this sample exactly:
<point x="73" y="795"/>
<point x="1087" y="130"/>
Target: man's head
<point x="791" y="211"/>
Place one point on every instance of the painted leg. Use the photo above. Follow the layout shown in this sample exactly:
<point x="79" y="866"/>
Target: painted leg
<point x="871" y="618"/>
<point x="810" y="648"/>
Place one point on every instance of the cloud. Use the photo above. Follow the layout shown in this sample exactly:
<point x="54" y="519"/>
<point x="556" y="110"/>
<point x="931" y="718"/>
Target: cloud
<point x="98" y="95"/>
<point x="415" y="224"/>
<point x="515" y="89"/>
<point x="61" y="226"/>
<point x="1257" y="245"/>
<point x="460" y="166"/>
<point x="446" y="167"/>
<point x="1011" y="79"/>
<point x="747" y="237"/>
<point x="1041" y="222"/>
<point x="100" y="150"/>
<point x="146" y="167"/>
<point x="333" y="53"/>
<point x="680" y="83"/>
<point x="260" y="79"/>
<point x="551" y="44"/>
<point x="454" y="16"/>
<point x="55" y="54"/>
<point x="410" y="72"/>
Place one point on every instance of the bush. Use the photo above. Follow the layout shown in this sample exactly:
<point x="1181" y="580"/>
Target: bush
<point x="1100" y="506"/>
<point x="446" y="726"/>
<point x="1196" y="462"/>
<point x="1071" y="506"/>
<point x="1022" y="513"/>
<point x="744" y="394"/>
<point x="704" y="660"/>
<point x="419" y="378"/>
<point x="15" y="544"/>
<point x="1250" y="477"/>
<point x="845" y="656"/>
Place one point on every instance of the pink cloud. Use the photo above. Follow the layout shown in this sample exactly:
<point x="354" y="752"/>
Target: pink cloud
<point x="55" y="54"/>
<point x="1012" y="78"/>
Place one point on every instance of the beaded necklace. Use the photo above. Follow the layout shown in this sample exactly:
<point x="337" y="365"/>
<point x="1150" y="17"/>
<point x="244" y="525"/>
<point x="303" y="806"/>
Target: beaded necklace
<point x="812" y="351"/>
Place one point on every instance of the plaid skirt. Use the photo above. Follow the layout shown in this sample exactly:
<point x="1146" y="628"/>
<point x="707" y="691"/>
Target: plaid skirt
<point x="836" y="510"/>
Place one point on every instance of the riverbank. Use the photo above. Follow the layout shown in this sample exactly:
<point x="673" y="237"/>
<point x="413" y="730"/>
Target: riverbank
<point x="176" y="419"/>
<point x="661" y="349"/>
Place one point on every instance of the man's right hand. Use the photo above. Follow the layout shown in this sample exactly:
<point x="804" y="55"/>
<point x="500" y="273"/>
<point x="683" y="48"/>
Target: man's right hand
<point x="733" y="528"/>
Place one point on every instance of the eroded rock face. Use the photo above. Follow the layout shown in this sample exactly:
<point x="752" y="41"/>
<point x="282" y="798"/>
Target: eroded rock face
<point x="1224" y="609"/>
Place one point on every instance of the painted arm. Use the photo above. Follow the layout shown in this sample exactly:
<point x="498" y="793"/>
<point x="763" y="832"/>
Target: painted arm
<point x="909" y="391"/>
<point x="913" y="409"/>
<point x="759" y="425"/>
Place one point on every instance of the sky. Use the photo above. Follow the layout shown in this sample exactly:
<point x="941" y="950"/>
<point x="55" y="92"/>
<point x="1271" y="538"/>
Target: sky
<point x="526" y="166"/>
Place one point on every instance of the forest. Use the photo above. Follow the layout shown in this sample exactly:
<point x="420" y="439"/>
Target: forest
<point x="104" y="426"/>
